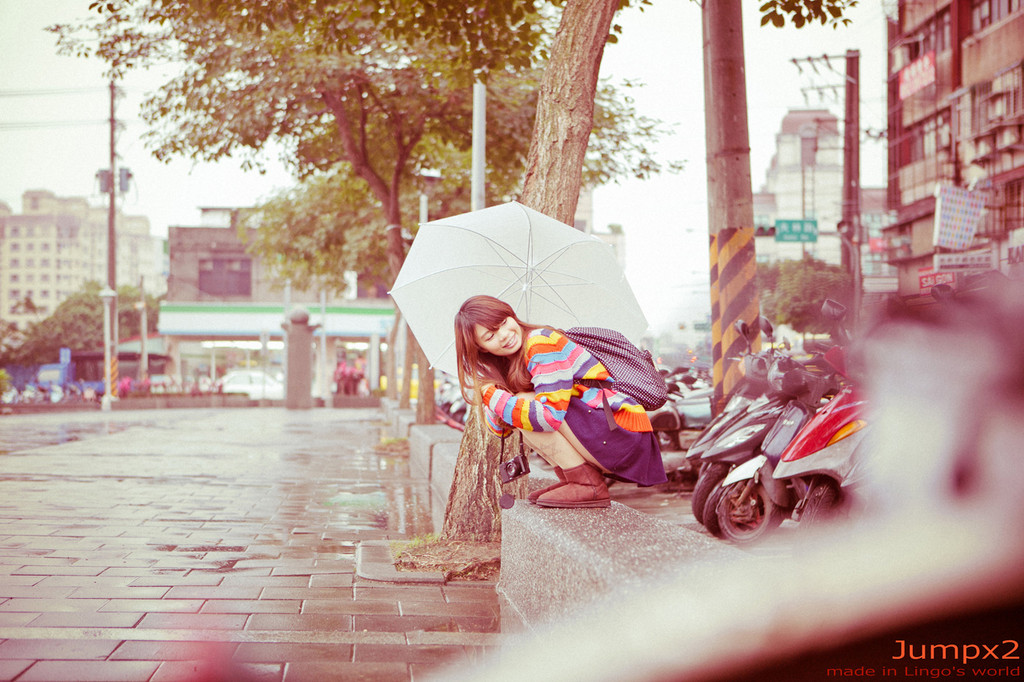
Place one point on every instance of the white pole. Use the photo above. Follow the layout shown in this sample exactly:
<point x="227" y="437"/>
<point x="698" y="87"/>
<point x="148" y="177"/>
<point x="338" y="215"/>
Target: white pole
<point x="144" y="323"/>
<point x="107" y="295"/>
<point x="477" y="191"/>
<point x="325" y="386"/>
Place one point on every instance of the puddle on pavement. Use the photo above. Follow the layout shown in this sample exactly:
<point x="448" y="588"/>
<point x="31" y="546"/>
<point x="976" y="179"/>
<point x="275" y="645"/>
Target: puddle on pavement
<point x="17" y="437"/>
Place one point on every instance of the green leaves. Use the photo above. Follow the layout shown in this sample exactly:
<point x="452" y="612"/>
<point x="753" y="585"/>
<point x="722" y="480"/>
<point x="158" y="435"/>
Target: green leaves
<point x="792" y="292"/>
<point x="78" y="323"/>
<point x="802" y="12"/>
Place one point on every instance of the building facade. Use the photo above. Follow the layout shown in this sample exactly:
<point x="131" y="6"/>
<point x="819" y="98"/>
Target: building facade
<point x="956" y="152"/>
<point x="57" y="244"/>
<point x="225" y="309"/>
<point x="803" y="187"/>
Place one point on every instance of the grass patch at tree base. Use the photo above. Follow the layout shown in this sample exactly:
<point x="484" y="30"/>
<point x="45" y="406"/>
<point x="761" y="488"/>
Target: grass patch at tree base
<point x="455" y="559"/>
<point x="395" y="447"/>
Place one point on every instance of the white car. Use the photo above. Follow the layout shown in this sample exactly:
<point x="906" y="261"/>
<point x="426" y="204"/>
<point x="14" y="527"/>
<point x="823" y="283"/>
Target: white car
<point x="255" y="383"/>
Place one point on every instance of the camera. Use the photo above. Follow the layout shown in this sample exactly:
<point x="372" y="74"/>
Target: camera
<point x="514" y="468"/>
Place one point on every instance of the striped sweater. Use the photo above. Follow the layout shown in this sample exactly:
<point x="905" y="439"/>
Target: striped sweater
<point x="557" y="364"/>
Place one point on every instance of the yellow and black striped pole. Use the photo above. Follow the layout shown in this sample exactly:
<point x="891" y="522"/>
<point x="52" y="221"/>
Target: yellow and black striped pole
<point x="113" y="376"/>
<point x="717" y="367"/>
<point x="730" y="199"/>
<point x="737" y="300"/>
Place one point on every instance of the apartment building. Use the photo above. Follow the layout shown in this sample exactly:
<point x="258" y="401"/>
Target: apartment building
<point x="57" y="244"/>
<point x="798" y="210"/>
<point x="956" y="152"/>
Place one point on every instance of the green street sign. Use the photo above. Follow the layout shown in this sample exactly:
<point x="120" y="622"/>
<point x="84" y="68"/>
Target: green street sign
<point x="796" y="230"/>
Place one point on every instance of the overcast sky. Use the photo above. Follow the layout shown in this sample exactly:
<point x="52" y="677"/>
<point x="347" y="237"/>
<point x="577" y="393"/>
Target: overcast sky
<point x="54" y="134"/>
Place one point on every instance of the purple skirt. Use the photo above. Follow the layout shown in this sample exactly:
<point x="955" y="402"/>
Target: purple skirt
<point x="627" y="455"/>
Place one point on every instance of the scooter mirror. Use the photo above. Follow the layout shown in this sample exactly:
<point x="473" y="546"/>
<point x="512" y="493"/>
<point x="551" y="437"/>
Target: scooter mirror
<point x="743" y="329"/>
<point x="942" y="292"/>
<point x="766" y="326"/>
<point x="833" y="310"/>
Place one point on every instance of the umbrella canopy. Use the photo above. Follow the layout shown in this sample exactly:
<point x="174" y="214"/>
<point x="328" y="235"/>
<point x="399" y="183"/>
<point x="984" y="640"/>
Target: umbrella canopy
<point x="550" y="273"/>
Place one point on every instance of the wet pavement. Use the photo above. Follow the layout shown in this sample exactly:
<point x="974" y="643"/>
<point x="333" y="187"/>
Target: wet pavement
<point x="219" y="545"/>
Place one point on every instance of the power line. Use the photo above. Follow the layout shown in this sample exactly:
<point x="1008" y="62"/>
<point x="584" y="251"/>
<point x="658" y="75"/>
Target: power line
<point x="53" y="91"/>
<point x="31" y="125"/>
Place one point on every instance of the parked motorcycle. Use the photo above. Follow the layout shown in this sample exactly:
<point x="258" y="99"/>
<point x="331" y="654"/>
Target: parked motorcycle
<point x="796" y="388"/>
<point x="450" y="406"/>
<point x="748" y="398"/>
<point x="688" y="407"/>
<point x="802" y="467"/>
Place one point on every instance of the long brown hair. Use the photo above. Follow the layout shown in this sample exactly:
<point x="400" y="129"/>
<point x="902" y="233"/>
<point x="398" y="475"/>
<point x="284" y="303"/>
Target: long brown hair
<point x="477" y="366"/>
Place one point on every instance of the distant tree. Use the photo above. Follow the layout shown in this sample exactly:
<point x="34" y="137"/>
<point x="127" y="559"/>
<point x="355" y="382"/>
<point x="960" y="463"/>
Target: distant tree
<point x="792" y="292"/>
<point x="11" y="338"/>
<point x="77" y="323"/>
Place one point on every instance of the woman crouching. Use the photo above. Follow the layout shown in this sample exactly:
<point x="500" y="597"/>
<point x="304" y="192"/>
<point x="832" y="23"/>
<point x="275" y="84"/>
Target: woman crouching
<point x="536" y="380"/>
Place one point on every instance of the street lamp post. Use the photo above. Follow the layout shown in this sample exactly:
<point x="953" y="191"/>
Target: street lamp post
<point x="108" y="295"/>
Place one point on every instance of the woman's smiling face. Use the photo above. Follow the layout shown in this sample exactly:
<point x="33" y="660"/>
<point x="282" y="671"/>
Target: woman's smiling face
<point x="505" y="340"/>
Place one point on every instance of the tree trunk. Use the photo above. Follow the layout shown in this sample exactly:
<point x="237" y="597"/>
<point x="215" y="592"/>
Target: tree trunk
<point x="565" y="109"/>
<point x="391" y="361"/>
<point x="405" y="401"/>
<point x="426" y="401"/>
<point x="473" y="513"/>
<point x="554" y="168"/>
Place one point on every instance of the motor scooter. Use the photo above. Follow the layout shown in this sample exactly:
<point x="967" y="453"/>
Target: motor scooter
<point x="807" y="481"/>
<point x="688" y="407"/>
<point x="798" y="389"/>
<point x="750" y="398"/>
<point x="804" y="465"/>
<point x="451" y="408"/>
<point x="795" y="389"/>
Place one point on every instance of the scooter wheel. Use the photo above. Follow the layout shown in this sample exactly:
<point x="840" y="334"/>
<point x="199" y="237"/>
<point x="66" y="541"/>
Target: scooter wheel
<point x="711" y="476"/>
<point x="711" y="512"/>
<point x="822" y="505"/>
<point x="745" y="516"/>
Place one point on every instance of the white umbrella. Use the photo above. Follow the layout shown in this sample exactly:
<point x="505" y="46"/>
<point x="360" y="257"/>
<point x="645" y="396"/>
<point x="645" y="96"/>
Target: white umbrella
<point x="550" y="273"/>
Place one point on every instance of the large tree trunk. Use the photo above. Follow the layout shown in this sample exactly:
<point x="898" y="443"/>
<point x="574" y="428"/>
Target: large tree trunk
<point x="391" y="360"/>
<point x="426" y="402"/>
<point x="405" y="401"/>
<point x="565" y="109"/>
<point x="473" y="513"/>
<point x="554" y="167"/>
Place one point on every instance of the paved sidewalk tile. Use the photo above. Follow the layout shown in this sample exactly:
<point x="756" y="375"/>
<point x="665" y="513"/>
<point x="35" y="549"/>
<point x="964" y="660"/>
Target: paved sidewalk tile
<point x="172" y="544"/>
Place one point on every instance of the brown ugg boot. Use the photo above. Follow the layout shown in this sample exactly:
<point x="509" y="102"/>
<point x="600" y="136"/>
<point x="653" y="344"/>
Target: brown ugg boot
<point x="532" y="497"/>
<point x="584" y="488"/>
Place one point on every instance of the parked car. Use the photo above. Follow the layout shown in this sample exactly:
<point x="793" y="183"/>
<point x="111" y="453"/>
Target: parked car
<point x="255" y="383"/>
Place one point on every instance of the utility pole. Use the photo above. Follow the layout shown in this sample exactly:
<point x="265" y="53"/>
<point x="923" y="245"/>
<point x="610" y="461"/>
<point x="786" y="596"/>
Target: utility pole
<point x="144" y="326"/>
<point x="730" y="199"/>
<point x="854" y="236"/>
<point x="109" y="300"/>
<point x="478" y="191"/>
<point x="851" y="231"/>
